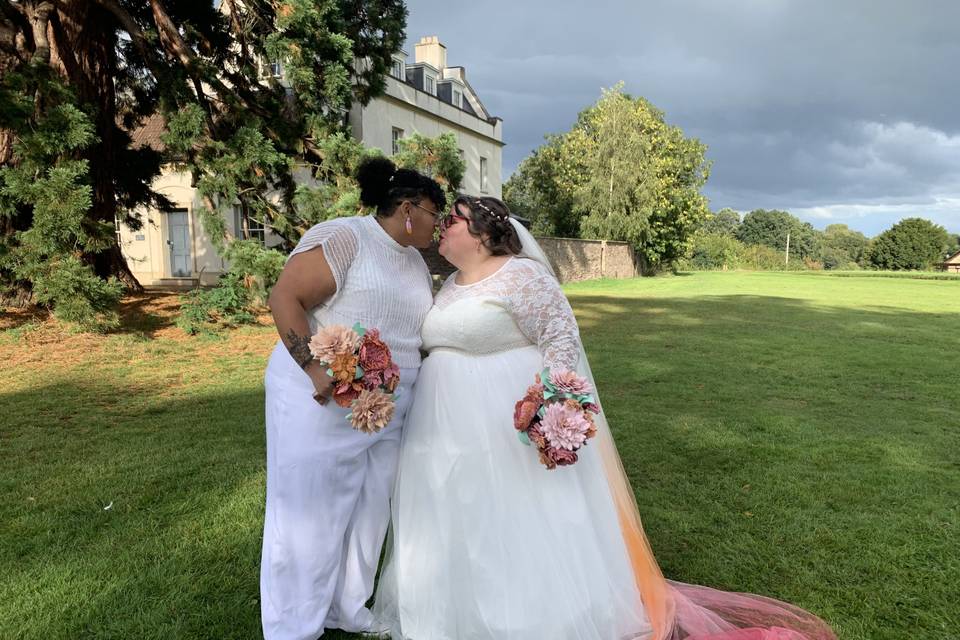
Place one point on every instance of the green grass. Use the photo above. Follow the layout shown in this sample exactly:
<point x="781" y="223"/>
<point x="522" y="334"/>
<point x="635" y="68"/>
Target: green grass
<point x="787" y="434"/>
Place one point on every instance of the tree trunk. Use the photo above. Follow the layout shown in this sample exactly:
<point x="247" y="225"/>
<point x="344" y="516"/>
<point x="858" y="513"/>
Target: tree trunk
<point x="85" y="54"/>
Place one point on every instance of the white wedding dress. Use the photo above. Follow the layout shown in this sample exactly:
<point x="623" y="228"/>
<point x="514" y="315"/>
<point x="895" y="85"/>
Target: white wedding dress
<point x="487" y="544"/>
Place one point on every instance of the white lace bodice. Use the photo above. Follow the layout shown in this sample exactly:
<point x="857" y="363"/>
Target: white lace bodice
<point x="380" y="283"/>
<point x="518" y="306"/>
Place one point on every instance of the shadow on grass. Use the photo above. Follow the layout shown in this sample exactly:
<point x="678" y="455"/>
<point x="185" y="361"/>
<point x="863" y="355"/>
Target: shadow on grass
<point x="147" y="313"/>
<point x="143" y="314"/>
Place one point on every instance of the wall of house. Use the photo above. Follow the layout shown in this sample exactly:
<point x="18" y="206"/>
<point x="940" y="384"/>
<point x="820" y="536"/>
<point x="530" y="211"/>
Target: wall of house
<point x="147" y="251"/>
<point x="413" y="111"/>
<point x="403" y="106"/>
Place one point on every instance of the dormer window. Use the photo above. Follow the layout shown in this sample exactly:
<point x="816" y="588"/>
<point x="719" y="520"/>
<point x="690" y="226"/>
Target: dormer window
<point x="429" y="85"/>
<point x="457" y="99"/>
<point x="397" y="71"/>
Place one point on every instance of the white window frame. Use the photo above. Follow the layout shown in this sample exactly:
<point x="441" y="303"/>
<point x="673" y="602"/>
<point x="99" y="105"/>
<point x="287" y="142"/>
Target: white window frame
<point x="457" y="98"/>
<point x="429" y="84"/>
<point x="396" y="134"/>
<point x="398" y="69"/>
<point x="272" y="69"/>
<point x="253" y="230"/>
<point x="483" y="175"/>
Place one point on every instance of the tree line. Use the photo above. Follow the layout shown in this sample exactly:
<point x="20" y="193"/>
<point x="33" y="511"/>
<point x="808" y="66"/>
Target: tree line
<point x="772" y="239"/>
<point x="623" y="173"/>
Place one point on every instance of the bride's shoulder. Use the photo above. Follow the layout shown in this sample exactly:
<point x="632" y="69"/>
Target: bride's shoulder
<point x="526" y="269"/>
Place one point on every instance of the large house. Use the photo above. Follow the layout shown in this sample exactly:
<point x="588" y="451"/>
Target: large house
<point x="424" y="96"/>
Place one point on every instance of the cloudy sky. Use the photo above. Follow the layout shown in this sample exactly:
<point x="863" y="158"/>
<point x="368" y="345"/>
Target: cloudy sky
<point x="843" y="111"/>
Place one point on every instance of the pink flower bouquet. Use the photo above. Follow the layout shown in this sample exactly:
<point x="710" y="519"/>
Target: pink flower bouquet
<point x="556" y="416"/>
<point x="363" y="372"/>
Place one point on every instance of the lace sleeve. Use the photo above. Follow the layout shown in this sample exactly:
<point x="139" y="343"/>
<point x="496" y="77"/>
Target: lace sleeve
<point x="544" y="315"/>
<point x="339" y="243"/>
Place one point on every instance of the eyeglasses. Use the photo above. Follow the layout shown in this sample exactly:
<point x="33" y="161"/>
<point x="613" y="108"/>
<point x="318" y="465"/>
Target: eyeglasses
<point x="433" y="213"/>
<point x="449" y="220"/>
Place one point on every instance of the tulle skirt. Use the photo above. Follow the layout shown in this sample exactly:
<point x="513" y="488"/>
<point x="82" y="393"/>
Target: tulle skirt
<point x="486" y="542"/>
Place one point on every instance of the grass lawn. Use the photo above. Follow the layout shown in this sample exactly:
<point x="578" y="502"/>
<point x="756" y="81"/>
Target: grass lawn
<point x="787" y="434"/>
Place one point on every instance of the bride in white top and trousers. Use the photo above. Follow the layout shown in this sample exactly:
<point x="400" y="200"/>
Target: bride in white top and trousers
<point x="328" y="486"/>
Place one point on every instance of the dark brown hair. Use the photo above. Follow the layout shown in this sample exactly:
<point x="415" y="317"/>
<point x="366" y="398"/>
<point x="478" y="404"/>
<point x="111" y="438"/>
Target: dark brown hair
<point x="384" y="186"/>
<point x="490" y="221"/>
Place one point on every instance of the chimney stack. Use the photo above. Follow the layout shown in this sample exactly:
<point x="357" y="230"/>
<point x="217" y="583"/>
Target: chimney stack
<point x="431" y="51"/>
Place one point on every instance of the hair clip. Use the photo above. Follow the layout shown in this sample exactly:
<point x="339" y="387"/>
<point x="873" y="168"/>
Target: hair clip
<point x="498" y="216"/>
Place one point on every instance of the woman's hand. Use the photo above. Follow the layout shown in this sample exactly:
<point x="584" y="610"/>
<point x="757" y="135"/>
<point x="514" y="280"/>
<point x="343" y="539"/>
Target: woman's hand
<point x="322" y="383"/>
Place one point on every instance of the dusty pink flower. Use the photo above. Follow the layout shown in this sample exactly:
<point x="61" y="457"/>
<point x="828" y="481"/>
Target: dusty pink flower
<point x="388" y="378"/>
<point x="372" y="411"/>
<point x="569" y="382"/>
<point x="391" y="378"/>
<point x="564" y="427"/>
<point x="561" y="457"/>
<point x="372" y="378"/>
<point x="332" y="341"/>
<point x="546" y="460"/>
<point x="536" y="437"/>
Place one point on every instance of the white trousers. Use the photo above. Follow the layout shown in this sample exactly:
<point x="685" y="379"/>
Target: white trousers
<point x="328" y="506"/>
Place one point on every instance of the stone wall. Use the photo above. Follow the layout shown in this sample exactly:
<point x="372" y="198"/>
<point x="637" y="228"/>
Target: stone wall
<point x="575" y="260"/>
<point x="572" y="259"/>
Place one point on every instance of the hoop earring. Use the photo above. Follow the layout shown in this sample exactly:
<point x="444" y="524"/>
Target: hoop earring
<point x="408" y="225"/>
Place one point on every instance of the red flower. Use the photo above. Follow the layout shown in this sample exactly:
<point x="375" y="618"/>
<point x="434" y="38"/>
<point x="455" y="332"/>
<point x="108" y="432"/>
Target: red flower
<point x="374" y="352"/>
<point x="346" y="392"/>
<point x="523" y="414"/>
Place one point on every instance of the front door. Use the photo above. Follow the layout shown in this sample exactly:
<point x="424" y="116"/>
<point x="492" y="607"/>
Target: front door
<point x="178" y="228"/>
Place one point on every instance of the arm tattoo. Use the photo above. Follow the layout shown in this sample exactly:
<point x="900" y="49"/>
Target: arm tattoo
<point x="299" y="348"/>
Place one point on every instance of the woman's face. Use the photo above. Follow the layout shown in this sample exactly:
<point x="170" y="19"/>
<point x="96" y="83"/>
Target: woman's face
<point x="424" y="217"/>
<point x="456" y="240"/>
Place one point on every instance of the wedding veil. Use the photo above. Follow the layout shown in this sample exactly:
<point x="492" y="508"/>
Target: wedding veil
<point x="677" y="610"/>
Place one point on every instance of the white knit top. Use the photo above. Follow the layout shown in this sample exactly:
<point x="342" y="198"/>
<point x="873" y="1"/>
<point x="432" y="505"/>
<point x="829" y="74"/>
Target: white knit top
<point x="380" y="283"/>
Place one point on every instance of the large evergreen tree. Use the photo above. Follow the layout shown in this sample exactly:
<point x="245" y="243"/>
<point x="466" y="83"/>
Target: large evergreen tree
<point x="78" y="75"/>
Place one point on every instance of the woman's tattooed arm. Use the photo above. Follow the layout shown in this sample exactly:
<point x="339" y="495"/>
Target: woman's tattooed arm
<point x="299" y="348"/>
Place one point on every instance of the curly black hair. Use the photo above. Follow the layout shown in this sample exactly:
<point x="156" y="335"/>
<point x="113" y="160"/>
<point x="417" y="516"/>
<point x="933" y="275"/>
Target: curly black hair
<point x="384" y="186"/>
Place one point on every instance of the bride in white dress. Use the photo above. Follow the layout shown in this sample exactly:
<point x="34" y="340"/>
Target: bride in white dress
<point x="486" y="543"/>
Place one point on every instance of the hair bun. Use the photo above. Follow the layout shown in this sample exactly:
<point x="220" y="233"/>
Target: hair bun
<point x="374" y="176"/>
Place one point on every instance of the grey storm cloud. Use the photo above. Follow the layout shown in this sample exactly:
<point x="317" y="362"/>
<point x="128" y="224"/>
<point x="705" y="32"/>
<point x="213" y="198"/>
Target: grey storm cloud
<point x="840" y="111"/>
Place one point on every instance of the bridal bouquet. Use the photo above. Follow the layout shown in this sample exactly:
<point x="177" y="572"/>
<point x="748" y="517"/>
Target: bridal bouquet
<point x="363" y="372"/>
<point x="556" y="416"/>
